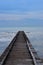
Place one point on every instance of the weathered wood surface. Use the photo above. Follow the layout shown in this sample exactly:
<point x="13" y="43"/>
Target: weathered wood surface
<point x="20" y="52"/>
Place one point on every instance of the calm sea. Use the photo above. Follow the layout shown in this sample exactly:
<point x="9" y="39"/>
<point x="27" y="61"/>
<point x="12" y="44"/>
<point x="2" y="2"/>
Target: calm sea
<point x="35" y="34"/>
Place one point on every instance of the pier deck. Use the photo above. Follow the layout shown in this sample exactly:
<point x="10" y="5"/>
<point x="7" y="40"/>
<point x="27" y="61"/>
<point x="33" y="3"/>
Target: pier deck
<point x="19" y="53"/>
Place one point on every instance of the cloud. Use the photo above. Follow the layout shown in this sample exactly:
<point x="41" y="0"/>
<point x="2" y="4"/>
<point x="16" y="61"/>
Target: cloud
<point x="21" y="16"/>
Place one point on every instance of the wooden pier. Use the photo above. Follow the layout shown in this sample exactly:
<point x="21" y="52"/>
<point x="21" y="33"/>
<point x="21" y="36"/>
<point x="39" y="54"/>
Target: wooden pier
<point x="20" y="52"/>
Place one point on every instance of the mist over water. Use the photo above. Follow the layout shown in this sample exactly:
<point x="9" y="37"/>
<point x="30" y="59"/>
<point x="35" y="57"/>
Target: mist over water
<point x="35" y="34"/>
<point x="5" y="39"/>
<point x="36" y="39"/>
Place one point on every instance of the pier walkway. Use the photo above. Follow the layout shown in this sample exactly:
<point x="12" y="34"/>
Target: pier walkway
<point x="20" y="52"/>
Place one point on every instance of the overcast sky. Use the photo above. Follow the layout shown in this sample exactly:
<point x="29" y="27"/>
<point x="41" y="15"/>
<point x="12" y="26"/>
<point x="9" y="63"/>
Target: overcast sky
<point x="21" y="10"/>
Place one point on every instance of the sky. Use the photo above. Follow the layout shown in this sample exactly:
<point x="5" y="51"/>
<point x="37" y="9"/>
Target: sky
<point x="15" y="13"/>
